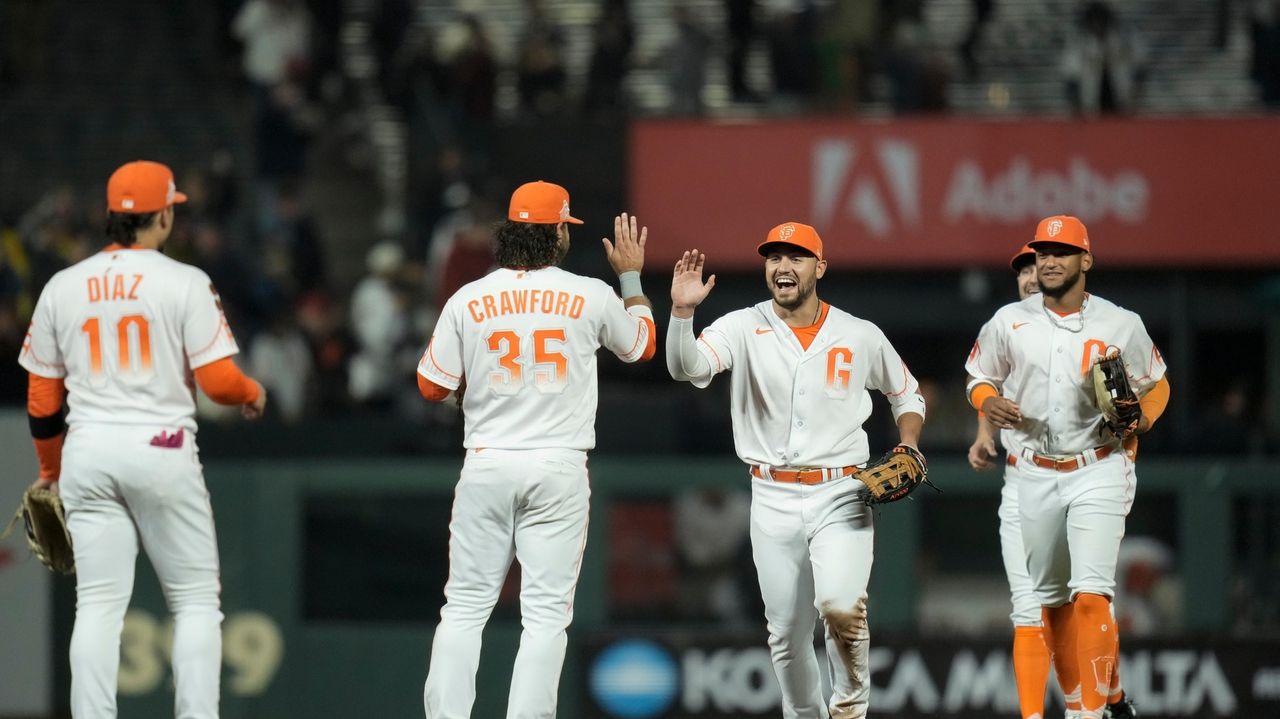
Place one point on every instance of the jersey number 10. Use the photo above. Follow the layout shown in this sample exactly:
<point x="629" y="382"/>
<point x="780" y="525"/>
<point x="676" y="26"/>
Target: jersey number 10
<point x="131" y="331"/>
<point x="549" y="368"/>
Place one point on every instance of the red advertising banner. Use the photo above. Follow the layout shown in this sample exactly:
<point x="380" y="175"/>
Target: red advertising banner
<point x="955" y="193"/>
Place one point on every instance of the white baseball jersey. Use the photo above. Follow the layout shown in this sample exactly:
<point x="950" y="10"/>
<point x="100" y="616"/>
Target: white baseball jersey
<point x="1041" y="361"/>
<point x="526" y="341"/>
<point x="125" y="327"/>
<point x="796" y="407"/>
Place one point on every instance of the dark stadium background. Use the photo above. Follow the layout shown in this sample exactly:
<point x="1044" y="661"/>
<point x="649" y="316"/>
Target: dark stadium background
<point x="338" y="198"/>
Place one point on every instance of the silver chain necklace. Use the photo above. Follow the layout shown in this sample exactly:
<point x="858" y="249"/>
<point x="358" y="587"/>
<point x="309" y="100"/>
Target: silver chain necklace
<point x="1066" y="323"/>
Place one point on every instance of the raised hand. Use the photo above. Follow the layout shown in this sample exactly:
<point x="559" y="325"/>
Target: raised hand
<point x="626" y="252"/>
<point x="687" y="288"/>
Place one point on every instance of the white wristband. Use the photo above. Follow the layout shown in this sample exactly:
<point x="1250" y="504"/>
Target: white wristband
<point x="629" y="283"/>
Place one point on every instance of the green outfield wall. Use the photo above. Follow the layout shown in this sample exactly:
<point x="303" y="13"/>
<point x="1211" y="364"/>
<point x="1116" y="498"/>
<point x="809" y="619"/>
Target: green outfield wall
<point x="333" y="573"/>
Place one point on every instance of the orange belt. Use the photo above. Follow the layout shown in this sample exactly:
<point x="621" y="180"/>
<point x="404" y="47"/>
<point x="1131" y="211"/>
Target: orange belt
<point x="802" y="476"/>
<point x="1062" y="465"/>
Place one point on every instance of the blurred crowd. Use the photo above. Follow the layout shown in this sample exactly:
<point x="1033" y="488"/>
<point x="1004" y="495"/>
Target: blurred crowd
<point x="329" y="339"/>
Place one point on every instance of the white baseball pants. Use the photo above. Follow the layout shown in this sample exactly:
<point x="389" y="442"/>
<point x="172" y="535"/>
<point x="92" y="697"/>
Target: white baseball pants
<point x="813" y="546"/>
<point x="120" y="490"/>
<point x="1026" y="605"/>
<point x="1072" y="524"/>
<point x="531" y="505"/>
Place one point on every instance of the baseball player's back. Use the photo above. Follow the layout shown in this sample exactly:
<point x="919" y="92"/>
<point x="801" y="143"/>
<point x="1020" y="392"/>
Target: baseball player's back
<point x="521" y="345"/>
<point x="125" y="335"/>
<point x="528" y="342"/>
<point x="123" y="321"/>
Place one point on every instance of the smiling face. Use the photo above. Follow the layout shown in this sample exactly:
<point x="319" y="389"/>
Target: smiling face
<point x="1060" y="268"/>
<point x="791" y="274"/>
<point x="1028" y="282"/>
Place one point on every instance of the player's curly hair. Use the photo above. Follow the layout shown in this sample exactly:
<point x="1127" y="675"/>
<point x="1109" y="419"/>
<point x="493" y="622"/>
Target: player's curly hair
<point x="523" y="245"/>
<point x="122" y="227"/>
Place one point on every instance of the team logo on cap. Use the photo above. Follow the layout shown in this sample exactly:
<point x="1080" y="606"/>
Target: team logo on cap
<point x="786" y="232"/>
<point x="1055" y="226"/>
<point x="524" y="214"/>
<point x="127" y="203"/>
<point x="564" y="211"/>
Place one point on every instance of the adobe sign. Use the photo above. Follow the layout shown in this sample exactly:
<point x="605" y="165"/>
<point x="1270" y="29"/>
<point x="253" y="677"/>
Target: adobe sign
<point x="955" y="193"/>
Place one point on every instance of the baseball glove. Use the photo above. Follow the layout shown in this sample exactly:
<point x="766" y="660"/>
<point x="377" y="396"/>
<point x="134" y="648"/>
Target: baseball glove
<point x="895" y="475"/>
<point x="47" y="535"/>
<point x="1115" y="396"/>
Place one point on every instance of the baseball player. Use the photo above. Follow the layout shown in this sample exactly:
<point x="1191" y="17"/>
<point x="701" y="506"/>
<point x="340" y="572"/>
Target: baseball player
<point x="1030" y="654"/>
<point x="121" y="335"/>
<point x="801" y="371"/>
<point x="1074" y="481"/>
<point x="523" y="341"/>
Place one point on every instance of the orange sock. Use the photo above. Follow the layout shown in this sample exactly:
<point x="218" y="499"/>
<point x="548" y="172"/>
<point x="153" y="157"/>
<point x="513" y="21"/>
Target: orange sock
<point x="1096" y="647"/>
<point x="1060" y="636"/>
<point x="1030" y="669"/>
<point x="1117" y="690"/>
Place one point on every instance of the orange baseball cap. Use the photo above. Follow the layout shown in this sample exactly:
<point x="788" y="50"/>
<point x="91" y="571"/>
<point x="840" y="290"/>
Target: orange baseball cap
<point x="1024" y="256"/>
<point x="141" y="187"/>
<point x="540" y="203"/>
<point x="796" y="234"/>
<point x="1061" y="230"/>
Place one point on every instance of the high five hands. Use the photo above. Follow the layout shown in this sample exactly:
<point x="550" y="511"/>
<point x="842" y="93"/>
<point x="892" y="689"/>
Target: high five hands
<point x="687" y="288"/>
<point x="626" y="252"/>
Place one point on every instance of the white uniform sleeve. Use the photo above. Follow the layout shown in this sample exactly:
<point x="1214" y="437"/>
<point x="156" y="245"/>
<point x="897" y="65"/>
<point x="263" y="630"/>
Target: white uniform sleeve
<point x="889" y="375"/>
<point x="625" y="331"/>
<point x="1142" y="359"/>
<point x="40" y="354"/>
<point x="442" y="361"/>
<point x="988" y="360"/>
<point x="699" y="360"/>
<point x="206" y="336"/>
<point x="684" y="362"/>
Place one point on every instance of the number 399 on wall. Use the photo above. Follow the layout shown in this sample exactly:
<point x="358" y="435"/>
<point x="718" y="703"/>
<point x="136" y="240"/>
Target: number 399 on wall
<point x="252" y="648"/>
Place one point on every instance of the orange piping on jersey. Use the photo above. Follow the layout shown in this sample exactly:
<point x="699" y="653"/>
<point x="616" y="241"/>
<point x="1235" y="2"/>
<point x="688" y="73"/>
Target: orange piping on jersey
<point x="1155" y="400"/>
<point x="1063" y="314"/>
<point x="713" y="353"/>
<point x="116" y="246"/>
<point x="436" y="364"/>
<point x="432" y="391"/>
<point x="29" y="349"/>
<point x="981" y="393"/>
<point x="651" y="345"/>
<point x="806" y="334"/>
<point x="905" y="384"/>
<point x="44" y="395"/>
<point x="223" y="381"/>
<point x="222" y="327"/>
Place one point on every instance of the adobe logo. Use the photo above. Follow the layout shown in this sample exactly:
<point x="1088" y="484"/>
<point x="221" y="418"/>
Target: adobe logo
<point x="876" y="184"/>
